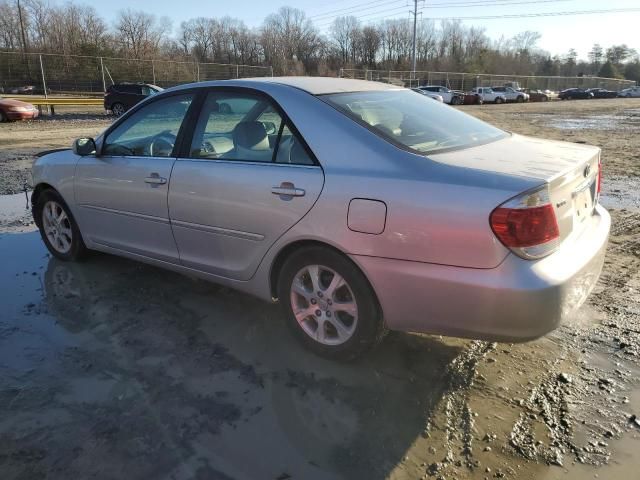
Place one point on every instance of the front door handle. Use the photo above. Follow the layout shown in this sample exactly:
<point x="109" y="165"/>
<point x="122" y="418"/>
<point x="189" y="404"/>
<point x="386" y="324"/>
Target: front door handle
<point x="287" y="190"/>
<point x="155" y="179"/>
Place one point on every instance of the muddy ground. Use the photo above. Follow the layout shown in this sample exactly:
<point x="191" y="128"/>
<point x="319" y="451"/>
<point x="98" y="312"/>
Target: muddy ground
<point x="113" y="369"/>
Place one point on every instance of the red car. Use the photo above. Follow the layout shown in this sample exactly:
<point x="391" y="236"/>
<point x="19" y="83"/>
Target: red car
<point x="16" y="110"/>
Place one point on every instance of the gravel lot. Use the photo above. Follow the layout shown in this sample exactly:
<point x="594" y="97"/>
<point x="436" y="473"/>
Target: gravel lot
<point x="113" y="369"/>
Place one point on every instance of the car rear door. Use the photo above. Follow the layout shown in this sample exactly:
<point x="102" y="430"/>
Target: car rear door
<point x="242" y="182"/>
<point x="122" y="193"/>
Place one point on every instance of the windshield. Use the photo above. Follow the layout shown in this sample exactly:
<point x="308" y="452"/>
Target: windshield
<point x="414" y="121"/>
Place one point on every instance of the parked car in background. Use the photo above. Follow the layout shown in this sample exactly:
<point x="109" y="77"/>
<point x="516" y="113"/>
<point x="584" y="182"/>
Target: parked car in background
<point x="11" y="109"/>
<point x="511" y="94"/>
<point x="120" y="97"/>
<point x="575" y="93"/>
<point x="536" y="95"/>
<point x="602" y="93"/>
<point x="630" y="92"/>
<point x="24" y="90"/>
<point x="489" y="96"/>
<point x="448" y="96"/>
<point x="356" y="213"/>
<point x="471" y="98"/>
<point x="435" y="96"/>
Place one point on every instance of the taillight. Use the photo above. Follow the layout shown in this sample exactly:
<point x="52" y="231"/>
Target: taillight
<point x="527" y="224"/>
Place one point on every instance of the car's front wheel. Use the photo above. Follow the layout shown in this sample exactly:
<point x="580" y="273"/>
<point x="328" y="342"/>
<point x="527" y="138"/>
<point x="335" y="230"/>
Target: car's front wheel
<point x="58" y="228"/>
<point x="498" y="100"/>
<point x="328" y="304"/>
<point x="3" y="117"/>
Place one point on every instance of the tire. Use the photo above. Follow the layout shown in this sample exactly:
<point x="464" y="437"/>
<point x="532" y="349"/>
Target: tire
<point x="498" y="101"/>
<point x="118" y="109"/>
<point x="545" y="99"/>
<point x="58" y="228"/>
<point x="3" y="117"/>
<point x="520" y="99"/>
<point x="359" y="330"/>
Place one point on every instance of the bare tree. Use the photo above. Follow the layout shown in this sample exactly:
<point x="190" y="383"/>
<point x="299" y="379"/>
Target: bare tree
<point x="141" y="33"/>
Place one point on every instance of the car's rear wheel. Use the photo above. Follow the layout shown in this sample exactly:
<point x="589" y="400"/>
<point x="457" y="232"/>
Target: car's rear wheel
<point x="545" y="99"/>
<point x="117" y="109"/>
<point x="520" y="99"/>
<point x="58" y="228"/>
<point x="329" y="305"/>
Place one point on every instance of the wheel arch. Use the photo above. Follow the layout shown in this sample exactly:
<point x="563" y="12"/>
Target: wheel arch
<point x="35" y="195"/>
<point x="289" y="249"/>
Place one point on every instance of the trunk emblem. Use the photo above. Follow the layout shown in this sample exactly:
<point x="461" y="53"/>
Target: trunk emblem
<point x="587" y="171"/>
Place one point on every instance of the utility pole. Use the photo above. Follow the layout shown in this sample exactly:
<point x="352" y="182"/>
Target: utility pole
<point x="415" y="24"/>
<point x="24" y="40"/>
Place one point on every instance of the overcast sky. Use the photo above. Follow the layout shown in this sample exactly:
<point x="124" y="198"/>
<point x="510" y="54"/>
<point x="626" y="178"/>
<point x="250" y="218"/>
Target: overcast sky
<point x="559" y="33"/>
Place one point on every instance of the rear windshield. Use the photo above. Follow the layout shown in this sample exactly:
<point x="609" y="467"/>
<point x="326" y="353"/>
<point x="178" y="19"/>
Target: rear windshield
<point x="413" y="121"/>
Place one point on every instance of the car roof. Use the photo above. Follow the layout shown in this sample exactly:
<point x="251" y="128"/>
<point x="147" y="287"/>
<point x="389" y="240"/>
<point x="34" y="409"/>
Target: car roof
<point x="312" y="85"/>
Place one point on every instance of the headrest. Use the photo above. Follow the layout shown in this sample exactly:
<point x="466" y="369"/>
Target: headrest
<point x="251" y="135"/>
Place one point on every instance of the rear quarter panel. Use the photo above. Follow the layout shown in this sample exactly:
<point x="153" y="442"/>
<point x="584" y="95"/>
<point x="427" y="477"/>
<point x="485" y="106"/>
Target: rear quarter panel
<point x="436" y="213"/>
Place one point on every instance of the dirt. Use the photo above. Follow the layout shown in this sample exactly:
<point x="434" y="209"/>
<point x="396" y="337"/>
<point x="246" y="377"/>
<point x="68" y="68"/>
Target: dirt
<point x="21" y="141"/>
<point x="113" y="369"/>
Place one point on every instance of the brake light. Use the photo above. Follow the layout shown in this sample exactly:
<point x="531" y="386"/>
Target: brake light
<point x="527" y="224"/>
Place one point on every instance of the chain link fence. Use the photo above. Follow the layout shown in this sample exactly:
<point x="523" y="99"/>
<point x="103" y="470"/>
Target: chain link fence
<point x="467" y="81"/>
<point x="86" y="75"/>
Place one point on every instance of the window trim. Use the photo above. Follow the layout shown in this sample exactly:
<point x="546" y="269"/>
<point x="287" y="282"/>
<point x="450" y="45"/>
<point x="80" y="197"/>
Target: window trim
<point x="146" y="102"/>
<point x="183" y="152"/>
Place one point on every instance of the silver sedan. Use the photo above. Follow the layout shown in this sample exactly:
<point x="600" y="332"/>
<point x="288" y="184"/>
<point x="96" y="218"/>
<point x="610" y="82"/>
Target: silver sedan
<point x="358" y="206"/>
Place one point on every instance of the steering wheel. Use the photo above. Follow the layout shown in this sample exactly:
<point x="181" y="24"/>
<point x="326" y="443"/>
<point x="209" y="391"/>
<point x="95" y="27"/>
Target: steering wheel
<point x="162" y="144"/>
<point x="207" y="148"/>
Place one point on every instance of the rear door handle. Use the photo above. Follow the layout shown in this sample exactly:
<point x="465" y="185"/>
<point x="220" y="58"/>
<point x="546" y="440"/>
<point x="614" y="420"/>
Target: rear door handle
<point x="288" y="189"/>
<point x="155" y="179"/>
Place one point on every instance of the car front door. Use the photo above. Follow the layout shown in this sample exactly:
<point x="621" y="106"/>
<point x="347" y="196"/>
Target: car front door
<point x="245" y="179"/>
<point x="122" y="192"/>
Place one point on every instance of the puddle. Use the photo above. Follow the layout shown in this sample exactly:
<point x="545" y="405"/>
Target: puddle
<point x="596" y="122"/>
<point x="166" y="377"/>
<point x="15" y="212"/>
<point x="627" y="120"/>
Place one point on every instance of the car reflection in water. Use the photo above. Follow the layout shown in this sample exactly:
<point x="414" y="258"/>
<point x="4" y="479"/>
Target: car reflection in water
<point x="161" y="373"/>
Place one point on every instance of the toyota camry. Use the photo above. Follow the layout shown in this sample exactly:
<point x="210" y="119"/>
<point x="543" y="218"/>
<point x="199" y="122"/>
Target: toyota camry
<point x="358" y="206"/>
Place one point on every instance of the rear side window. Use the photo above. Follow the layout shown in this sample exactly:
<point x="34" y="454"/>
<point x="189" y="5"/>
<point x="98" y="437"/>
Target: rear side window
<point x="291" y="150"/>
<point x="128" y="88"/>
<point x="414" y="122"/>
<point x="245" y="127"/>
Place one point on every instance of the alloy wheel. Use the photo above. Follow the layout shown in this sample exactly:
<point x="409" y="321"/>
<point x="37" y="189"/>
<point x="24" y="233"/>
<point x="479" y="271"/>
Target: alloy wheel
<point x="117" y="109"/>
<point x="324" y="305"/>
<point x="57" y="227"/>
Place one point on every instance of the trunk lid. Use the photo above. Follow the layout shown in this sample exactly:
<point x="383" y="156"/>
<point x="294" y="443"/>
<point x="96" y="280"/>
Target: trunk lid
<point x="570" y="170"/>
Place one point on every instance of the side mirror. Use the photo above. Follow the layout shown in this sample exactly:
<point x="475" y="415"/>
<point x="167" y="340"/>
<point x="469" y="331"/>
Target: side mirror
<point x="84" y="147"/>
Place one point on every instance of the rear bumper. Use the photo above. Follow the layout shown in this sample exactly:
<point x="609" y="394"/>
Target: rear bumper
<point x="519" y="300"/>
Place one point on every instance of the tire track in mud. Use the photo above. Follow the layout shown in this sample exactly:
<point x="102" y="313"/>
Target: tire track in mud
<point x="576" y="415"/>
<point x="459" y="420"/>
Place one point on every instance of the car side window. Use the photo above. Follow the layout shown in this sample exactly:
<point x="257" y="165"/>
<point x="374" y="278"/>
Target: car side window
<point x="291" y="149"/>
<point x="236" y="126"/>
<point x="151" y="131"/>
